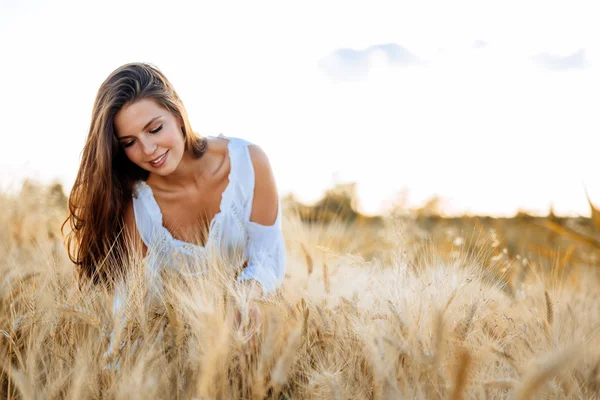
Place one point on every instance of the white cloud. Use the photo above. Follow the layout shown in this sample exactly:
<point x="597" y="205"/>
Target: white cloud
<point x="553" y="62"/>
<point x="354" y="65"/>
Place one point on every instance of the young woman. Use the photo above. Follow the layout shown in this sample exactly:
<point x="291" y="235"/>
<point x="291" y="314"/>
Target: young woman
<point x="146" y="177"/>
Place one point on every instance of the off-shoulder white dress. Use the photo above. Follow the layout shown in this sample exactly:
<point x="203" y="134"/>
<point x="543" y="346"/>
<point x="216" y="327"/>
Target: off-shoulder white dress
<point x="231" y="228"/>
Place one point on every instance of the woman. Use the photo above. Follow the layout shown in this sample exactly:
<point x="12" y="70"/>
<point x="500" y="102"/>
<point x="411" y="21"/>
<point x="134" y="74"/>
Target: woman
<point x="146" y="178"/>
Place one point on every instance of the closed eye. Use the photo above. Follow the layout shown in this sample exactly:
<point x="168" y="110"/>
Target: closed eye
<point x="125" y="145"/>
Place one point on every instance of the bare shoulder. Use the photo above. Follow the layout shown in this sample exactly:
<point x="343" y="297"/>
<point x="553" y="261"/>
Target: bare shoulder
<point x="216" y="150"/>
<point x="216" y="146"/>
<point x="266" y="198"/>
<point x="263" y="173"/>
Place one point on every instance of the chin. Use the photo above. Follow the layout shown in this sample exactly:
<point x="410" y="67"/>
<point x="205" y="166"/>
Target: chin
<point x="162" y="173"/>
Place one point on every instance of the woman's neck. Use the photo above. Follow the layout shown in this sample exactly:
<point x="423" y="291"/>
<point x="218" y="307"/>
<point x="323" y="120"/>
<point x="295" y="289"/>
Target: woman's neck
<point x="189" y="172"/>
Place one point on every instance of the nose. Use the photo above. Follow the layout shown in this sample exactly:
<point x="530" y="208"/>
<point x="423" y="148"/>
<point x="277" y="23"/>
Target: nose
<point x="148" y="147"/>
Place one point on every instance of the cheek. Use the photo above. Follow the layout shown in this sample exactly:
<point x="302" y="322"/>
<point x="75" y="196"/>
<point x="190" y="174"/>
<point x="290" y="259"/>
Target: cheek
<point x="132" y="154"/>
<point x="175" y="139"/>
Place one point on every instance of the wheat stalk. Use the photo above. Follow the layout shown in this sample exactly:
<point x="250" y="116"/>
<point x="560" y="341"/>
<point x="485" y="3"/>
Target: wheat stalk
<point x="326" y="282"/>
<point x="309" y="260"/>
<point x="462" y="374"/>
<point x="438" y="337"/>
<point x="398" y="317"/>
<point x="285" y="361"/>
<point x="549" y="309"/>
<point x="510" y="359"/>
<point x="465" y="327"/>
<point x="551" y="367"/>
<point x="81" y="314"/>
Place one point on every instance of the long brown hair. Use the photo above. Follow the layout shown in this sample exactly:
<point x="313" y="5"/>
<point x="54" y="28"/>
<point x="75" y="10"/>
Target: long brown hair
<point x="105" y="179"/>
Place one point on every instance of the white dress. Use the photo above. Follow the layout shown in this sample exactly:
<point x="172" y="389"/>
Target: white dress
<point x="231" y="228"/>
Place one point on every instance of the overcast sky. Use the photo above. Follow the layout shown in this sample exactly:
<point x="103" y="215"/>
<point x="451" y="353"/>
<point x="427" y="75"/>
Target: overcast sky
<point x="492" y="105"/>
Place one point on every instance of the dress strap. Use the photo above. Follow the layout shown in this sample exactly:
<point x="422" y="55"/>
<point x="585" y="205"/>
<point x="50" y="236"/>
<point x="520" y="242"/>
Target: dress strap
<point x="242" y="172"/>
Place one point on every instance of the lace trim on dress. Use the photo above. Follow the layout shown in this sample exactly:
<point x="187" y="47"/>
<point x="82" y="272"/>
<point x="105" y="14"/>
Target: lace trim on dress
<point x="215" y="224"/>
<point x="163" y="246"/>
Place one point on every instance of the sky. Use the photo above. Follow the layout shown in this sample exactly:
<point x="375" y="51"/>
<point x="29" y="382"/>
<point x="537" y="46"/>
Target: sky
<point x="494" y="106"/>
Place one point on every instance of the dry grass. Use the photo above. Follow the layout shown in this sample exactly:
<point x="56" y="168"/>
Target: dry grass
<point x="414" y="319"/>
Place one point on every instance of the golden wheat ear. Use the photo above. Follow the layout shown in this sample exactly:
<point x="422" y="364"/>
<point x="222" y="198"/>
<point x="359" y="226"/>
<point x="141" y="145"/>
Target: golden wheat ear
<point x="595" y="212"/>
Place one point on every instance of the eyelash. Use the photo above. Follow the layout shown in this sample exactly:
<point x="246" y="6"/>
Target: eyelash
<point x="152" y="132"/>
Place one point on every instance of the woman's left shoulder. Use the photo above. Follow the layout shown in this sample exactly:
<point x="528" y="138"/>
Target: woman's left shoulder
<point x="259" y="158"/>
<point x="265" y="202"/>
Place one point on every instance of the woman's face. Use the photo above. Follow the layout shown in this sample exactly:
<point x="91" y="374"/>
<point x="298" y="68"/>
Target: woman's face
<point x="151" y="136"/>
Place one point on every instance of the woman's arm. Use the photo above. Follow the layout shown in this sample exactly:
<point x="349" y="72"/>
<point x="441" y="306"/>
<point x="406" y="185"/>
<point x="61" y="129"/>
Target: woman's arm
<point x="132" y="235"/>
<point x="265" y="201"/>
<point x="265" y="248"/>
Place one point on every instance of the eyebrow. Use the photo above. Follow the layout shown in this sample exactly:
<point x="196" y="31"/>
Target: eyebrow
<point x="144" y="128"/>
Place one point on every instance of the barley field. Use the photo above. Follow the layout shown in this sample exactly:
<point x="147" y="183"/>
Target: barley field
<point x="409" y="305"/>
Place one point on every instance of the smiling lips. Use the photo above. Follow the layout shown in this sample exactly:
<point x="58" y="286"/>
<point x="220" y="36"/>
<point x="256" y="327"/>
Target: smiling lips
<point x="158" y="162"/>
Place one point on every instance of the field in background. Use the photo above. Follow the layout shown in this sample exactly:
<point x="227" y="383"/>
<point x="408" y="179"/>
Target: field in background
<point x="407" y="305"/>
